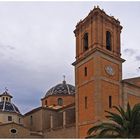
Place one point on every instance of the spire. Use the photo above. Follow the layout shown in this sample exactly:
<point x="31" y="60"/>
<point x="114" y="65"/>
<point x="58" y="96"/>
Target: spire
<point x="64" y="82"/>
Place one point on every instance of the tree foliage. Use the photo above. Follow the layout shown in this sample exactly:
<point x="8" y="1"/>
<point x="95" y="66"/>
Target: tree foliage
<point x="123" y="124"/>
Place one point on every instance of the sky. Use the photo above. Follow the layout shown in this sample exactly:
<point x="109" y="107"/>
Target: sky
<point x="37" y="45"/>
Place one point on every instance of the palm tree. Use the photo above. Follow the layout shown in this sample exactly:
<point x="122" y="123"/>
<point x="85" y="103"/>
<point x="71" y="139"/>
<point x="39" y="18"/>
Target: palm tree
<point x="125" y="124"/>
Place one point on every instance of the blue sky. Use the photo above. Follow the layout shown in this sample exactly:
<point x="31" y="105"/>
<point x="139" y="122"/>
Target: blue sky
<point x="37" y="44"/>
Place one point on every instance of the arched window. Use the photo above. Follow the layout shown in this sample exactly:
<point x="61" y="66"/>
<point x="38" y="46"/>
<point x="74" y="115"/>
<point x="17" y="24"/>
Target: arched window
<point x="60" y="101"/>
<point x="85" y="41"/>
<point x="108" y="41"/>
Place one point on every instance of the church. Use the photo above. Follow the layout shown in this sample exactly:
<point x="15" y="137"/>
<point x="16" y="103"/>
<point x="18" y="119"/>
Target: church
<point x="68" y="111"/>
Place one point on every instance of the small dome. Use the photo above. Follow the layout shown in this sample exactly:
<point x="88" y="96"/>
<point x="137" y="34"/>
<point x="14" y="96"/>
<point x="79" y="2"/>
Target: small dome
<point x="8" y="107"/>
<point x="61" y="89"/>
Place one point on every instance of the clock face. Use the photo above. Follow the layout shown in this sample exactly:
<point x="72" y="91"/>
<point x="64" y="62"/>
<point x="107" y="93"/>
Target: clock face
<point x="109" y="70"/>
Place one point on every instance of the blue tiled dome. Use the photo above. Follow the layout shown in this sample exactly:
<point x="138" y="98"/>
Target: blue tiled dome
<point x="8" y="107"/>
<point x="61" y="89"/>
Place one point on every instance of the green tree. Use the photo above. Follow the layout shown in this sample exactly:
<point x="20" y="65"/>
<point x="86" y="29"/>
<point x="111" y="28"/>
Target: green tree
<point x="123" y="124"/>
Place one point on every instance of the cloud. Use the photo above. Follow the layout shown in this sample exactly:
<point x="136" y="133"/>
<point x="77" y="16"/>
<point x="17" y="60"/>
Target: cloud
<point x="129" y="51"/>
<point x="2" y="46"/>
<point x="28" y="84"/>
<point x="10" y="47"/>
<point x="137" y="58"/>
<point x="36" y="49"/>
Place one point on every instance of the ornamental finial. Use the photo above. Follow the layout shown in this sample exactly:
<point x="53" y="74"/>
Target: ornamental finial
<point x="64" y="77"/>
<point x="64" y="82"/>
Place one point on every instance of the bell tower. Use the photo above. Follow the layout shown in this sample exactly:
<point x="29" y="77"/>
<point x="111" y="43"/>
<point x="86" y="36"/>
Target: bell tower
<point x="98" y="68"/>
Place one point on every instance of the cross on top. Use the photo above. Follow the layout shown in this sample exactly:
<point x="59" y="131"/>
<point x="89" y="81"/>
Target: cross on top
<point x="6" y="89"/>
<point x="64" y="77"/>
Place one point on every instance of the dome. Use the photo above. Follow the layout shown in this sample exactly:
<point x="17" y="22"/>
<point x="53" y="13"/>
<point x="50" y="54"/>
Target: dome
<point x="61" y="89"/>
<point x="8" y="107"/>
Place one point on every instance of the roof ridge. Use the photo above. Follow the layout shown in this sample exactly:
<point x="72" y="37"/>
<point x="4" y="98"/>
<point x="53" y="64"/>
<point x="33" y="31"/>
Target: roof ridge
<point x="15" y="108"/>
<point x="68" y="88"/>
<point x="4" y="102"/>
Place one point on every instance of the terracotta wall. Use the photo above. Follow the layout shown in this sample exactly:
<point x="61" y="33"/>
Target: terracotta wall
<point x="83" y="130"/>
<point x="86" y="113"/>
<point x="53" y="100"/>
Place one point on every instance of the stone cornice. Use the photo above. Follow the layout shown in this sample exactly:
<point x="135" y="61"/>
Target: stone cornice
<point x="95" y="50"/>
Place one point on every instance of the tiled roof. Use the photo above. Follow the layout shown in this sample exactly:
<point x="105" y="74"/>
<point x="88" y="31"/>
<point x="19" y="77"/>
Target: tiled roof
<point x="61" y="89"/>
<point x="8" y="107"/>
